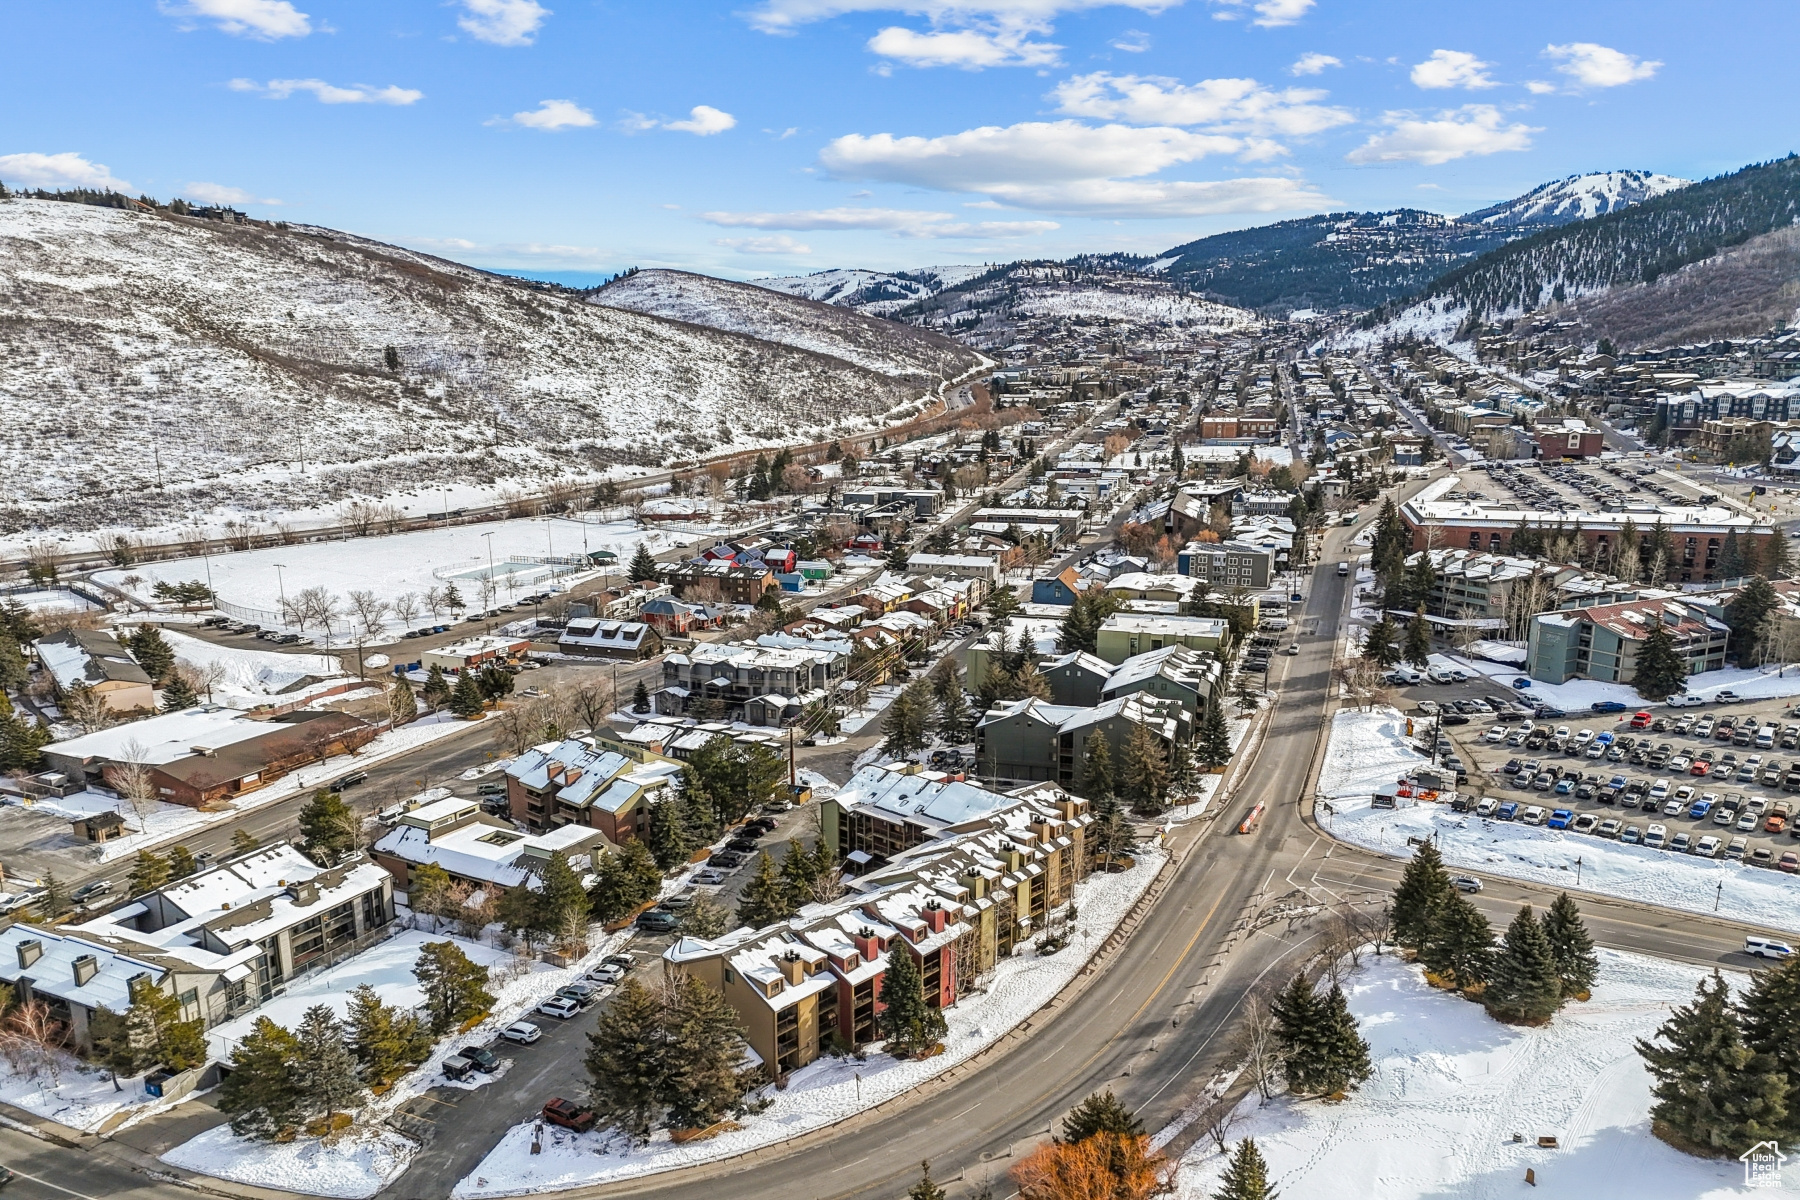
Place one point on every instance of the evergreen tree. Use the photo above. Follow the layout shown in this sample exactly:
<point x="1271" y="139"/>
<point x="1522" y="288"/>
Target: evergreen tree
<point x="1769" y="1016"/>
<point x="765" y="898"/>
<point x="455" y="989"/>
<point x="1080" y="628"/>
<point x="403" y="701"/>
<point x="1423" y="890"/>
<point x="384" y="1040"/>
<point x="640" y="698"/>
<point x="1300" y="1035"/>
<point x="1346" y="1055"/>
<point x="1713" y="1093"/>
<point x="908" y="718"/>
<point x="1660" y="671"/>
<point x="153" y="652"/>
<point x="703" y="1044"/>
<point x="1101" y="1112"/>
<point x="428" y="889"/>
<point x="260" y="1094"/>
<point x="908" y="1023"/>
<point x="1524" y="986"/>
<point x="563" y="899"/>
<point x="1460" y="947"/>
<point x="666" y="834"/>
<point x="56" y="897"/>
<point x="111" y="1041"/>
<point x="1570" y="945"/>
<point x="178" y="694"/>
<point x="1097" y="782"/>
<point x="1418" y="640"/>
<point x="493" y="684"/>
<point x="453" y="599"/>
<point x="624" y="1061"/>
<point x="1731" y="558"/>
<point x="157" y="1032"/>
<point x="21" y="742"/>
<point x="1420" y="580"/>
<point x="1246" y="1177"/>
<point x="643" y="565"/>
<point x="181" y="863"/>
<point x="1184" y="780"/>
<point x="927" y="1188"/>
<point x="1003" y="603"/>
<point x="1212" y="742"/>
<point x="799" y="874"/>
<point x="1776" y="561"/>
<point x="1144" y="771"/>
<point x="149" y="871"/>
<point x="325" y="1072"/>
<point x="437" y="689"/>
<point x="243" y="842"/>
<point x="466" y="700"/>
<point x="329" y="829"/>
<point x="1380" y="643"/>
<point x="1746" y="614"/>
<point x="955" y="723"/>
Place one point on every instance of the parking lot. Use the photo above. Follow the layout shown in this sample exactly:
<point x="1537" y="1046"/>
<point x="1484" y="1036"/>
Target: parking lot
<point x="1675" y="785"/>
<point x="1545" y="486"/>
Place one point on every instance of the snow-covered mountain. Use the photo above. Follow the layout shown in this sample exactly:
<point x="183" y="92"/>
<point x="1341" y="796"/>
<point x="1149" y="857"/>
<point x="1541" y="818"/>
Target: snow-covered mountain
<point x="877" y="293"/>
<point x="1577" y="198"/>
<point x="154" y="368"/>
<point x="804" y="323"/>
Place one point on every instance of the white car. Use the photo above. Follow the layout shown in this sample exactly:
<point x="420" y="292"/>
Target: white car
<point x="1684" y="701"/>
<point x="1496" y="734"/>
<point x="1440" y="675"/>
<point x="1767" y="948"/>
<point x="1656" y="837"/>
<point x="522" y="1032"/>
<point x="560" y="1007"/>
<point x="1534" y="816"/>
<point x="1583" y="737"/>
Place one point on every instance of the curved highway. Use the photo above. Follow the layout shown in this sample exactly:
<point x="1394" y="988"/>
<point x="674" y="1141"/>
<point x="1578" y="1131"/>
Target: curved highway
<point x="1148" y="1020"/>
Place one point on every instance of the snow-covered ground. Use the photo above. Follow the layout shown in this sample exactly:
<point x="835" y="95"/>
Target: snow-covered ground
<point x="1165" y="306"/>
<point x="827" y="1090"/>
<point x="1452" y="1087"/>
<point x="70" y="1092"/>
<point x="52" y="600"/>
<point x="361" y="1162"/>
<point x="251" y="677"/>
<point x="394" y="564"/>
<point x="1772" y="682"/>
<point x="1369" y="749"/>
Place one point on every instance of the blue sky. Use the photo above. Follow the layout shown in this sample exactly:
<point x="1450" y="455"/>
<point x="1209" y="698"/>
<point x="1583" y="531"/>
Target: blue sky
<point x="573" y="137"/>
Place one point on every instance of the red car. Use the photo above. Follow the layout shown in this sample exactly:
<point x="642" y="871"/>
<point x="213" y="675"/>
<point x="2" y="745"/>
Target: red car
<point x="569" y="1115"/>
<point x="1701" y="767"/>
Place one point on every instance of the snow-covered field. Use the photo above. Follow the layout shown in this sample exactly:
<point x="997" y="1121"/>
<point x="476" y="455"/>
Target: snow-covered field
<point x="357" y="1165"/>
<point x="69" y="1092"/>
<point x="827" y="1090"/>
<point x="1452" y="1087"/>
<point x="1168" y="307"/>
<point x="251" y="677"/>
<point x="1369" y="749"/>
<point x="394" y="564"/>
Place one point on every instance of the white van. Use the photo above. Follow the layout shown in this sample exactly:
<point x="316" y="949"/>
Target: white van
<point x="1767" y="948"/>
<point x="1343" y="569"/>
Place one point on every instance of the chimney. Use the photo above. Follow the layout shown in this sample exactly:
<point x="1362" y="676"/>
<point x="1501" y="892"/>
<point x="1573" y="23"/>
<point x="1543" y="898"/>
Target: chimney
<point x="304" y="893"/>
<point x="30" y="952"/>
<point x="936" y="917"/>
<point x="86" y="967"/>
<point x="867" y="944"/>
<point x="793" y="969"/>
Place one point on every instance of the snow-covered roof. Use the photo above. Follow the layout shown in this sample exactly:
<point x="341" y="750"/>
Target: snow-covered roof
<point x="53" y="973"/>
<point x="164" y="739"/>
<point x="920" y="799"/>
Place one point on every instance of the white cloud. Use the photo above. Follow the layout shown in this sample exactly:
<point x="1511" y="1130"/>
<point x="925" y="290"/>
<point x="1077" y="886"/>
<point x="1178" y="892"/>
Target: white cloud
<point x="1455" y="133"/>
<point x="901" y="222"/>
<point x="779" y="244"/>
<point x="1270" y="14"/>
<point x="785" y="16"/>
<point x="330" y="93"/>
<point x="218" y="193"/>
<point x="703" y="120"/>
<point x="502" y="22"/>
<point x="1591" y="65"/>
<point x="64" y="170"/>
<point x="1314" y="63"/>
<point x="1452" y="69"/>
<point x="1132" y="41"/>
<point x="1539" y="87"/>
<point x="550" y="115"/>
<point x="538" y="254"/>
<point x="1227" y="105"/>
<point x="1066" y="166"/>
<point x="970" y="49"/>
<point x="265" y="19"/>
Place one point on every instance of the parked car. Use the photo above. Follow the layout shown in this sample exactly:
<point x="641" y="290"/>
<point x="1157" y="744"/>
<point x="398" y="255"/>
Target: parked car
<point x="569" y="1115"/>
<point x="522" y="1033"/>
<point x="560" y="1006"/>
<point x="1486" y="807"/>
<point x="1681" y="843"/>
<point x="1609" y="706"/>
<point x="1789" y="862"/>
<point x="605" y="974"/>
<point x="1586" y="822"/>
<point x="658" y="921"/>
<point x="1632" y="835"/>
<point x="1535" y="816"/>
<point x="709" y="875"/>
<point x="1510" y="809"/>
<point x="1708" y="847"/>
<point x="1656" y="837"/>
<point x="458" y="1066"/>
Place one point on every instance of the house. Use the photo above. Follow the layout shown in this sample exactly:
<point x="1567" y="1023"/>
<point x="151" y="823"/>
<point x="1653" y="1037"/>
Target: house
<point x="594" y="637"/>
<point x="479" y="851"/>
<point x="1124" y="635"/>
<point x="205" y="755"/>
<point x="957" y="566"/>
<point x="668" y="616"/>
<point x="474" y="652"/>
<point x="580" y="781"/>
<point x="99" y="827"/>
<point x="1602" y="641"/>
<point x="94" y="659"/>
<point x="221" y="941"/>
<point x="1061" y="588"/>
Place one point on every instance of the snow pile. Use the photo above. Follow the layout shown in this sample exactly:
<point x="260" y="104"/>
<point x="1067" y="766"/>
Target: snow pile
<point x="1452" y="1087"/>
<point x="1368" y="749"/>
<point x="356" y="1165"/>
<point x="1754" y="895"/>
<point x="827" y="1090"/>
<point x="250" y="677"/>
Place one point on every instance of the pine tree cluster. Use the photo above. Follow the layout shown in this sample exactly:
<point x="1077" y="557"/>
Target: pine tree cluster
<point x="668" y="1056"/>
<point x="1322" y="1052"/>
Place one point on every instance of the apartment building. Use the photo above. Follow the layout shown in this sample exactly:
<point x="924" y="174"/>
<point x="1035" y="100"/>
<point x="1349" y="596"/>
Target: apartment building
<point x="1602" y="642"/>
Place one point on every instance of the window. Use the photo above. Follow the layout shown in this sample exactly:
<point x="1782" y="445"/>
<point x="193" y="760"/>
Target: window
<point x="190" y="1004"/>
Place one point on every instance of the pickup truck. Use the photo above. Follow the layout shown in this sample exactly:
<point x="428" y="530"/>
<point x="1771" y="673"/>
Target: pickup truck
<point x="569" y="1115"/>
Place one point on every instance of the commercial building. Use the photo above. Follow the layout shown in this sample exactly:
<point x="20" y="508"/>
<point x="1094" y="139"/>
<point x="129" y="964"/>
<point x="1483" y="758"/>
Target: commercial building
<point x="474" y="652"/>
<point x="596" y="637"/>
<point x="94" y="659"/>
<point x="1602" y="642"/>
<point x="1228" y="564"/>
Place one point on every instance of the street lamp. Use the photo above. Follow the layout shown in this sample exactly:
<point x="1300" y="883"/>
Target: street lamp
<point x="280" y="587"/>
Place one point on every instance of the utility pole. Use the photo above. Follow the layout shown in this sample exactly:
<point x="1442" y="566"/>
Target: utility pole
<point x="280" y="586"/>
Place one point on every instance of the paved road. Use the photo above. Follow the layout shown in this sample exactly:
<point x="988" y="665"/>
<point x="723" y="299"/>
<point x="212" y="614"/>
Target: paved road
<point x="1149" y="1025"/>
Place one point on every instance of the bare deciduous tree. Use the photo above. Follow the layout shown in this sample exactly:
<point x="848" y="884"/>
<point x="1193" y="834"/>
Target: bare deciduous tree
<point x="130" y="775"/>
<point x="406" y="607"/>
<point x="31" y="1041"/>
